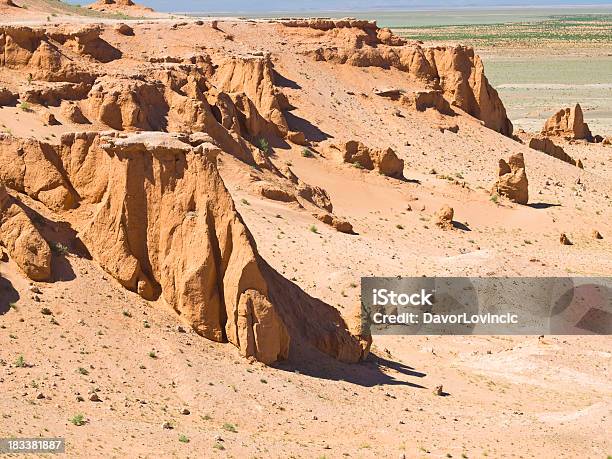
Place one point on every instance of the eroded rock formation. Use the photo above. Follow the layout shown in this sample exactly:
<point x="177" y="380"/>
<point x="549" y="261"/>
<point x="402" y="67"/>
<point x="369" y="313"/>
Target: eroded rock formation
<point x="161" y="222"/>
<point x="454" y="70"/>
<point x="384" y="161"/>
<point x="22" y="239"/>
<point x="568" y="123"/>
<point x="545" y="145"/>
<point x="512" y="182"/>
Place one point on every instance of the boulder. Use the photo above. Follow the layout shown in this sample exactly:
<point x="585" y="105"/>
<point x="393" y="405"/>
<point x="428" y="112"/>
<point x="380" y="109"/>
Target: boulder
<point x="7" y="97"/>
<point x="49" y="119"/>
<point x="512" y="181"/>
<point x="385" y="161"/>
<point x="338" y="224"/>
<point x="564" y="240"/>
<point x="444" y="217"/>
<point x="596" y="234"/>
<point x="23" y="241"/>
<point x="124" y="29"/>
<point x="297" y="137"/>
<point x="568" y="123"/>
<point x="72" y="112"/>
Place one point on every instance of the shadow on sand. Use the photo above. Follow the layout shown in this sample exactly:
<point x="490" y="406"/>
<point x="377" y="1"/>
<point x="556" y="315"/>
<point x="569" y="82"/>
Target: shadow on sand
<point x="319" y="333"/>
<point x="8" y="295"/>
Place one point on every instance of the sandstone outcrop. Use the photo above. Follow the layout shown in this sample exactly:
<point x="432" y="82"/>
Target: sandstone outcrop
<point x="454" y="70"/>
<point x="158" y="218"/>
<point x="329" y="24"/>
<point x="512" y="182"/>
<point x="545" y="145"/>
<point x="7" y="97"/>
<point x="253" y="76"/>
<point x="119" y="6"/>
<point x="46" y="53"/>
<point x="338" y="224"/>
<point x="385" y="161"/>
<point x="422" y="100"/>
<point x="72" y="112"/>
<point x="23" y="241"/>
<point x="568" y="123"/>
<point x="444" y="217"/>
<point x="28" y="166"/>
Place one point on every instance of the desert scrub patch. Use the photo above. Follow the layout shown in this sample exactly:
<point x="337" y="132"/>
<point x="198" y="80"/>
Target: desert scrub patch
<point x="24" y="106"/>
<point x="263" y="144"/>
<point x="313" y="229"/>
<point x="77" y="420"/>
<point x="20" y="362"/>
<point x="229" y="427"/>
<point x="59" y="249"/>
<point x="183" y="438"/>
<point x="307" y="153"/>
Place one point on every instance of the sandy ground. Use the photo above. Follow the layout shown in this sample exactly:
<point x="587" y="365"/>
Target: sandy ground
<point x="505" y="396"/>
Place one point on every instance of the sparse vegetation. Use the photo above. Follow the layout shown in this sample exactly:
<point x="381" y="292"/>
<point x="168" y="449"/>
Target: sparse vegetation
<point x="59" y="249"/>
<point x="183" y="438"/>
<point x="83" y="371"/>
<point x="20" y="362"/>
<point x="230" y="427"/>
<point x="263" y="145"/>
<point x="313" y="229"/>
<point x="77" y="420"/>
<point x="24" y="106"/>
<point x="307" y="153"/>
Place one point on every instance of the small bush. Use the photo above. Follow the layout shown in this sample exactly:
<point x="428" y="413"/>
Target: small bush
<point x="230" y="427"/>
<point x="152" y="354"/>
<point x="313" y="229"/>
<point x="25" y="107"/>
<point x="83" y="371"/>
<point x="20" y="362"/>
<point x="59" y="248"/>
<point x="306" y="153"/>
<point x="77" y="420"/>
<point x="263" y="145"/>
<point x="183" y="438"/>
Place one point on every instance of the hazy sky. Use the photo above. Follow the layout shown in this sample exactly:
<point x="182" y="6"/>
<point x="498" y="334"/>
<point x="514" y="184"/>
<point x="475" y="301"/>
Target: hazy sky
<point x="254" y="6"/>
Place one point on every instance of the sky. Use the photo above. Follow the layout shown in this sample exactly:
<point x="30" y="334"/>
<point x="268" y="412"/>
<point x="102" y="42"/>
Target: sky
<point x="255" y="6"/>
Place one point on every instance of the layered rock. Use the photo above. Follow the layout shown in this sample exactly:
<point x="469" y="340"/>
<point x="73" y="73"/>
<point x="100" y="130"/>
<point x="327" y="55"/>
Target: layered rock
<point x="456" y="71"/>
<point x="545" y="145"/>
<point x="31" y="167"/>
<point x="512" y="181"/>
<point x="253" y="76"/>
<point x="422" y="100"/>
<point x="385" y="161"/>
<point x="158" y="218"/>
<point x="40" y="51"/>
<point x="568" y="123"/>
<point x="23" y="241"/>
